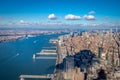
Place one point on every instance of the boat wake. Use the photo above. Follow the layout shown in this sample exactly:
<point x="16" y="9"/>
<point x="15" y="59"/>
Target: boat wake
<point x="11" y="58"/>
<point x="35" y="41"/>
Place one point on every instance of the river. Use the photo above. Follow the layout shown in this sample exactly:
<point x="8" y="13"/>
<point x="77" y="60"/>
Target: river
<point x="16" y="57"/>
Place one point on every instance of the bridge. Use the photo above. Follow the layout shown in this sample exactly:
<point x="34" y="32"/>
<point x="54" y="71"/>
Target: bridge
<point x="48" y="76"/>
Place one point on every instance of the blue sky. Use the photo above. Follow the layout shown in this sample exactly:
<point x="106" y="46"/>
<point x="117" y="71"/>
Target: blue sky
<point x="44" y="13"/>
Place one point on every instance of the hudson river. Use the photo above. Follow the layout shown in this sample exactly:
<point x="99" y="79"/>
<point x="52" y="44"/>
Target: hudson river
<point x="16" y="57"/>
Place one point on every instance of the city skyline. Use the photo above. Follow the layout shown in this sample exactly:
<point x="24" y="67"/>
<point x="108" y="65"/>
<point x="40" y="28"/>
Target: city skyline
<point x="60" y="13"/>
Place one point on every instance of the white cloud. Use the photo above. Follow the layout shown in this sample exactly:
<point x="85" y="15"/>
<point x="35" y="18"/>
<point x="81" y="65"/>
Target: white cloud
<point x="22" y="22"/>
<point x="89" y="17"/>
<point x="72" y="17"/>
<point x="52" y="16"/>
<point x="91" y="12"/>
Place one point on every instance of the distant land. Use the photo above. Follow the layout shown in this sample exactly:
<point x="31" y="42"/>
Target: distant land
<point x="11" y="34"/>
<point x="15" y="34"/>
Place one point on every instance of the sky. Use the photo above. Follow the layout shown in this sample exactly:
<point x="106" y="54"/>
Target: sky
<point x="60" y="13"/>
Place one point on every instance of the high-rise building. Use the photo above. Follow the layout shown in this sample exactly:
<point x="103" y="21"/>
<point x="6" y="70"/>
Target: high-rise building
<point x="99" y="52"/>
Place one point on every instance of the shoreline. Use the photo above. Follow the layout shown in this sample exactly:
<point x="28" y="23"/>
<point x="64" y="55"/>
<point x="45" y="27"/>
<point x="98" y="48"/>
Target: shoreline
<point x="10" y="40"/>
<point x="13" y="35"/>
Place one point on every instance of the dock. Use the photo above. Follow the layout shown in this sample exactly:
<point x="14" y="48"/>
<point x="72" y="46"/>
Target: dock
<point x="48" y="76"/>
<point x="48" y="52"/>
<point x="45" y="57"/>
<point x="54" y="41"/>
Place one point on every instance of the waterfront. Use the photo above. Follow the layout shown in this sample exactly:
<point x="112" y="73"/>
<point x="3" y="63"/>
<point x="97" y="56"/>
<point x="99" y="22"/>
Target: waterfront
<point x="16" y="57"/>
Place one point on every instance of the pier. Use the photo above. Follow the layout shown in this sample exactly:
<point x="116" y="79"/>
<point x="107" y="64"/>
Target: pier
<point x="48" y="76"/>
<point x="47" y="54"/>
<point x="45" y="57"/>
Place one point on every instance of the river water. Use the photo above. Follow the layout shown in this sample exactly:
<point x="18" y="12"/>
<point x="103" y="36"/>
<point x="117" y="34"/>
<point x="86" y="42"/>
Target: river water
<point x="16" y="57"/>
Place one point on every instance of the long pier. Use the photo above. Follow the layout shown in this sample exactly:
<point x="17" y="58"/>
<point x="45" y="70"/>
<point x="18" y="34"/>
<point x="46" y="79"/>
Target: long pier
<point x="45" y="57"/>
<point x="48" y="52"/>
<point x="23" y="77"/>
